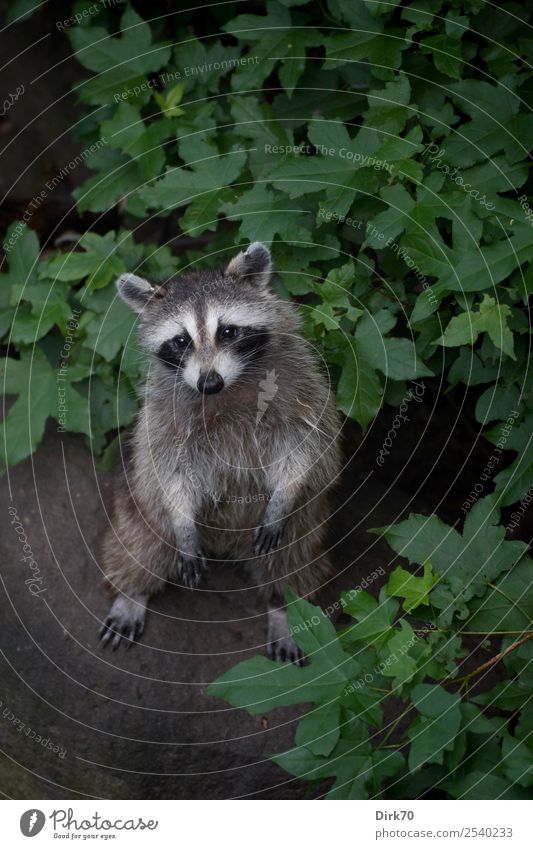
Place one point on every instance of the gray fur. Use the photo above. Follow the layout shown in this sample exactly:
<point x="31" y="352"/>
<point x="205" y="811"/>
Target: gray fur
<point x="208" y="476"/>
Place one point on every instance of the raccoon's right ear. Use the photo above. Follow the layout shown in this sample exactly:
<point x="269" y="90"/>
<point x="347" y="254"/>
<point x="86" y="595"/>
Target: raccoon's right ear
<point x="253" y="265"/>
<point x="135" y="291"/>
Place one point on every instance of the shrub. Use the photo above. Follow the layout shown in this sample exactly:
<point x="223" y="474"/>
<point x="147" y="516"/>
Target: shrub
<point x="393" y="713"/>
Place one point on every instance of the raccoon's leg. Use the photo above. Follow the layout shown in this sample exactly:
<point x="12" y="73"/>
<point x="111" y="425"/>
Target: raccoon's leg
<point x="290" y="481"/>
<point x="304" y="582"/>
<point x="191" y="561"/>
<point x="300" y="563"/>
<point x="138" y="558"/>
<point x="269" y="534"/>
<point x="280" y="642"/>
<point x="142" y="551"/>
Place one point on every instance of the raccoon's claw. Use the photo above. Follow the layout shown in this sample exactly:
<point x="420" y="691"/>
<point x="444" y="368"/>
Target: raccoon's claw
<point x="125" y="621"/>
<point x="191" y="569"/>
<point x="267" y="538"/>
<point x="287" y="651"/>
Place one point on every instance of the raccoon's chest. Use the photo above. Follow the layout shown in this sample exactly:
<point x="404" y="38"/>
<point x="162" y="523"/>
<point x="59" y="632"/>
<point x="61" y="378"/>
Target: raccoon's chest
<point x="230" y="481"/>
<point x="228" y="461"/>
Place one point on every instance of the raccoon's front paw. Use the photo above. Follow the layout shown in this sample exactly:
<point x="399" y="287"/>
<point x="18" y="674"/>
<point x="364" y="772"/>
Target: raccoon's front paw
<point x="125" y="620"/>
<point x="191" y="568"/>
<point x="268" y="537"/>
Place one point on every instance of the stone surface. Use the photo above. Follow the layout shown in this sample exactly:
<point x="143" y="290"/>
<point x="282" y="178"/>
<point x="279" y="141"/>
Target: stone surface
<point x="136" y="723"/>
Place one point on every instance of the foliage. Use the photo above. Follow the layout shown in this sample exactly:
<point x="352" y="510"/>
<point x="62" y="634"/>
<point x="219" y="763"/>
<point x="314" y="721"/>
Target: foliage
<point x="385" y="173"/>
<point x="389" y="711"/>
<point x="88" y="374"/>
<point x="382" y="150"/>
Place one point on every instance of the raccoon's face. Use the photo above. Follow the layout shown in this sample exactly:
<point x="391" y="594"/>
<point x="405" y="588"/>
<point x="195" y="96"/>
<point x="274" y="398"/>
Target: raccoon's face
<point x="209" y="329"/>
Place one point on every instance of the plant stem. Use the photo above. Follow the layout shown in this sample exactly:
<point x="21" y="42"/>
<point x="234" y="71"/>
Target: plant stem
<point x="493" y="660"/>
<point x="393" y="727"/>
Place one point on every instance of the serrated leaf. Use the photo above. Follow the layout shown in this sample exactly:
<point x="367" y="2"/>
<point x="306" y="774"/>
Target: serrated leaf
<point x="107" y="334"/>
<point x="258" y="685"/>
<point x="374" y="620"/>
<point x="434" y="731"/>
<point x="98" y="262"/>
<point x="181" y="185"/>
<point x="359" y="393"/>
<point x="36" y="383"/>
<point x="265" y="214"/>
<point x="508" y="604"/>
<point x="319" y="729"/>
<point x="120" y="63"/>
<point x="466" y="563"/>
<point x="491" y="318"/>
<point x="415" y="590"/>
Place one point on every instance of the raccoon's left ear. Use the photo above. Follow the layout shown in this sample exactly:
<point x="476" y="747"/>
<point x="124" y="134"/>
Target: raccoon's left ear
<point x="135" y="291"/>
<point x="253" y="265"/>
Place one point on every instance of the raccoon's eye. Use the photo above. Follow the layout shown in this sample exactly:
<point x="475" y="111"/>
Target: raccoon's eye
<point x="228" y="332"/>
<point x="182" y="340"/>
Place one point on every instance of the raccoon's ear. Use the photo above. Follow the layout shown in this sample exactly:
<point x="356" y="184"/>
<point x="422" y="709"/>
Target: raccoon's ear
<point x="253" y="265"/>
<point x="135" y="291"/>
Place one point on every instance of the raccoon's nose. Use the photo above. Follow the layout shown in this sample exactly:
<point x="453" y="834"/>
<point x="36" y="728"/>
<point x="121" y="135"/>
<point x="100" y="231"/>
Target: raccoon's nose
<point x="210" y="383"/>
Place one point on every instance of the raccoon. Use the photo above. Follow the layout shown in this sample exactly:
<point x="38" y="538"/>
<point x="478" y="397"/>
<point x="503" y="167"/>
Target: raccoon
<point x="235" y="450"/>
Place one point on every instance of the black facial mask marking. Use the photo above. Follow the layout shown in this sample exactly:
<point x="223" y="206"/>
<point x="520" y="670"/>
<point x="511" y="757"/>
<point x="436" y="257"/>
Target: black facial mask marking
<point x="248" y="342"/>
<point x="174" y="352"/>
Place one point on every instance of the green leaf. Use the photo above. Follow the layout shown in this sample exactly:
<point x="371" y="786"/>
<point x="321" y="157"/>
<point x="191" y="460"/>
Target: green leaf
<point x="21" y="10"/>
<point x="40" y="395"/>
<point x="181" y="185"/>
<point x="259" y="685"/>
<point x="314" y="633"/>
<point x="374" y="620"/>
<point x="434" y="731"/>
<point x="21" y="247"/>
<point x="413" y="589"/>
<point x="351" y="769"/>
<point x="386" y="226"/>
<point x="359" y="393"/>
<point x="395" y="660"/>
<point x="286" y="46"/>
<point x="508" y="604"/>
<point x="170" y="100"/>
<point x="517" y="764"/>
<point x="516" y="480"/>
<point x="467" y="563"/>
<point x="480" y="785"/>
<point x="107" y="334"/>
<point x="265" y="214"/>
<point x="446" y="52"/>
<point x="496" y="402"/>
<point x="117" y="179"/>
<point x="491" y="318"/>
<point x="389" y="110"/>
<point x="98" y="262"/>
<point x="120" y="63"/>
<point x="319" y="729"/>
<point x="111" y="407"/>
<point x="127" y="132"/>
<point x="382" y="50"/>
<point x="507" y="695"/>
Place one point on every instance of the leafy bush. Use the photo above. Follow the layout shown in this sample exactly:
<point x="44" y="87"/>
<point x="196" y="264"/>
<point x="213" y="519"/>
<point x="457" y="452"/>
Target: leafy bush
<point x="373" y="146"/>
<point x="392" y="713"/>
